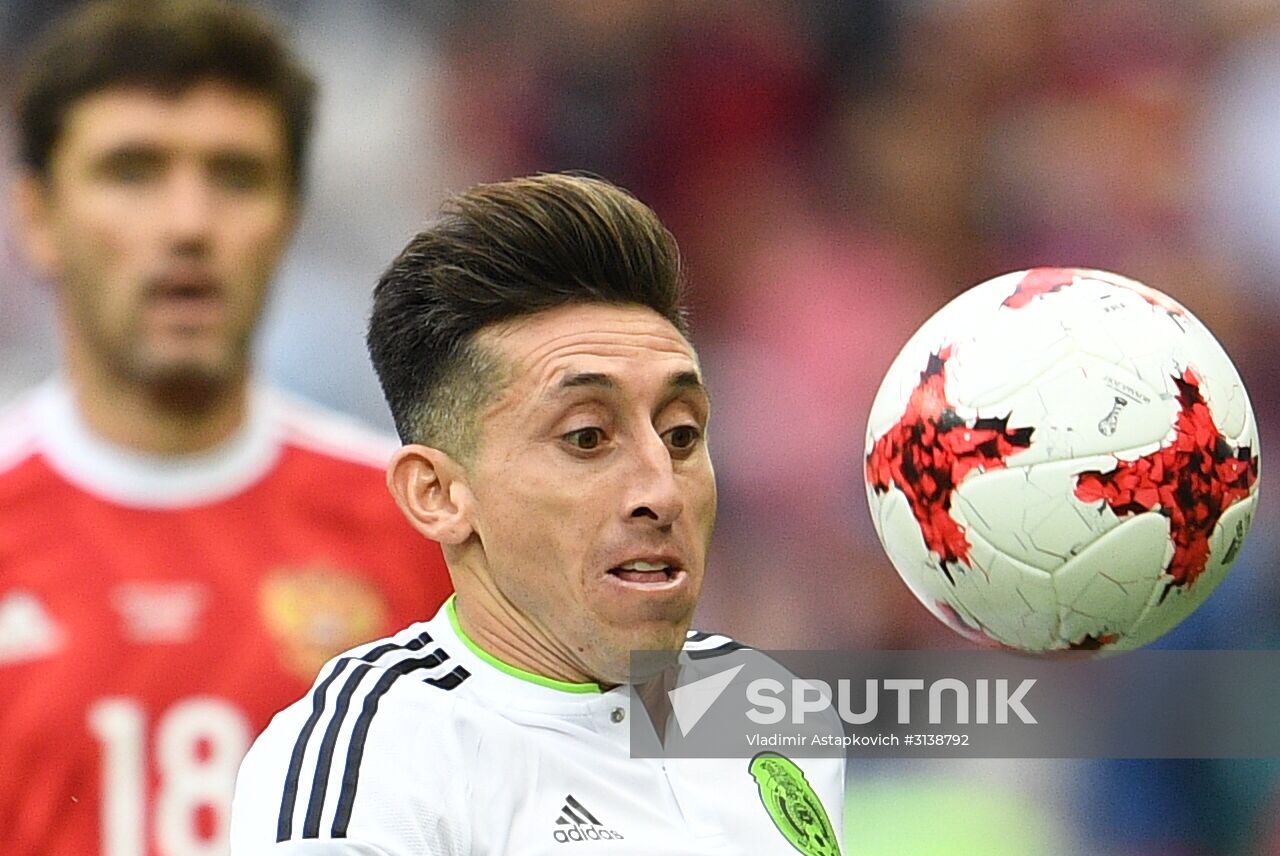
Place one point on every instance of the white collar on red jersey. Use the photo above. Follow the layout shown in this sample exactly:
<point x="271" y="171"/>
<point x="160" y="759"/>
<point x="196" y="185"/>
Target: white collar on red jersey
<point x="140" y="480"/>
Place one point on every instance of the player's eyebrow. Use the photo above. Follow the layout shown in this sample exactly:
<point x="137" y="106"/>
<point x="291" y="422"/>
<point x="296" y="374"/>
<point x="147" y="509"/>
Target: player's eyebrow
<point x="681" y="381"/>
<point x="690" y="385"/>
<point x="678" y="382"/>
<point x="128" y="154"/>
<point x="577" y="379"/>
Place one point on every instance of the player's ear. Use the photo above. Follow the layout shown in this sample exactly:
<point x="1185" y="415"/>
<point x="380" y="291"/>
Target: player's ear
<point x="429" y="487"/>
<point x="32" y="205"/>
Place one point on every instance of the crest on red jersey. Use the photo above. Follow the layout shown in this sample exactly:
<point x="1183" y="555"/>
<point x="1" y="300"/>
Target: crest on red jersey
<point x="318" y="611"/>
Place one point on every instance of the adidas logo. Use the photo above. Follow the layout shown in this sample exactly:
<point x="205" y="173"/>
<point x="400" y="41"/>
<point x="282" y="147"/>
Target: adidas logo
<point x="27" y="631"/>
<point x="575" y="823"/>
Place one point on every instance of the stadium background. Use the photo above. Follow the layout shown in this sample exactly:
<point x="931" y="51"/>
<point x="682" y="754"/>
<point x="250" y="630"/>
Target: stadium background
<point x="835" y="171"/>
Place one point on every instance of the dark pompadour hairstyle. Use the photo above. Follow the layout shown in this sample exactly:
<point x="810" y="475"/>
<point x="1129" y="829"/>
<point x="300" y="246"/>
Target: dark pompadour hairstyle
<point x="498" y="252"/>
<point x="166" y="45"/>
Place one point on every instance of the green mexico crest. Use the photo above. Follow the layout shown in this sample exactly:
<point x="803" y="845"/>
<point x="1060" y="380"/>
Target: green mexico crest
<point x="794" y="807"/>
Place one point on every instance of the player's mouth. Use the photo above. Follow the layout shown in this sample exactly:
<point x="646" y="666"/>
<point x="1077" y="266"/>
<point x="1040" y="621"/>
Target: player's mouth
<point x="656" y="574"/>
<point x="186" y="300"/>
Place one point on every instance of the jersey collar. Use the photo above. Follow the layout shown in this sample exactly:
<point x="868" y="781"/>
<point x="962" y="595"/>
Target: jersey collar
<point x="451" y="611"/>
<point x="524" y="696"/>
<point x="131" y="478"/>
<point x="510" y="687"/>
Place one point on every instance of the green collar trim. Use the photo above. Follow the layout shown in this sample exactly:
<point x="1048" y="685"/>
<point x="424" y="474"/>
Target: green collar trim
<point x="542" y="681"/>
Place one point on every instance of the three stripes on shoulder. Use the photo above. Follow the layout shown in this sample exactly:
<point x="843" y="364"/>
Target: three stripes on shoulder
<point x="393" y="661"/>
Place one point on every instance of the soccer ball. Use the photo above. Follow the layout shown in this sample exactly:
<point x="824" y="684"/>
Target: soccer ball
<point x="1062" y="459"/>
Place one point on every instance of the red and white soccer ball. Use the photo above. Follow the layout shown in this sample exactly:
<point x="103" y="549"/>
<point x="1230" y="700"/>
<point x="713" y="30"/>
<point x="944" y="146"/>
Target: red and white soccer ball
<point x="1062" y="459"/>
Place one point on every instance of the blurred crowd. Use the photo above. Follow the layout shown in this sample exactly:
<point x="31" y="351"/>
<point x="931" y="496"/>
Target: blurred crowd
<point x="835" y="171"/>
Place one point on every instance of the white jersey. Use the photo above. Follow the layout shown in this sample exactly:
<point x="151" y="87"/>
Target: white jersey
<point x="424" y="745"/>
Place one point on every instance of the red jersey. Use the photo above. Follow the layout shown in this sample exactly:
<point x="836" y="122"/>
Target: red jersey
<point x="156" y="612"/>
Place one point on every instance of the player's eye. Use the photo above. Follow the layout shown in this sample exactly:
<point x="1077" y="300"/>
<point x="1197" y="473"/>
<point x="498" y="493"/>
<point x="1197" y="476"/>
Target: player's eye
<point x="238" y="172"/>
<point x="585" y="439"/>
<point x="683" y="437"/>
<point x="130" y="166"/>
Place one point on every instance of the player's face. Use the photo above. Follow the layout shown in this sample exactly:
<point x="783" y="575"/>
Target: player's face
<point x="162" y="220"/>
<point x="595" y="496"/>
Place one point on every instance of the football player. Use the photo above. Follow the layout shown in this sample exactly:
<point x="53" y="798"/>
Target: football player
<point x="533" y="349"/>
<point x="181" y="548"/>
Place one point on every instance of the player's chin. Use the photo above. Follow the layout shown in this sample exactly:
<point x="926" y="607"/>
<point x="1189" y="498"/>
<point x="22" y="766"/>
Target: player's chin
<point x="640" y="651"/>
<point x="189" y="373"/>
<point x="650" y="627"/>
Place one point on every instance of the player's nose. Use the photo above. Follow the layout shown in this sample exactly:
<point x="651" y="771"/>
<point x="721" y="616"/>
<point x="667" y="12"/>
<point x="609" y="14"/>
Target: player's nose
<point x="655" y="495"/>
<point x="189" y="210"/>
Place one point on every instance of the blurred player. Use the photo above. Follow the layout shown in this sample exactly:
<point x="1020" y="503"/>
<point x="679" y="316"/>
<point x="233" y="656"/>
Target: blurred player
<point x="532" y="347"/>
<point x="180" y="548"/>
